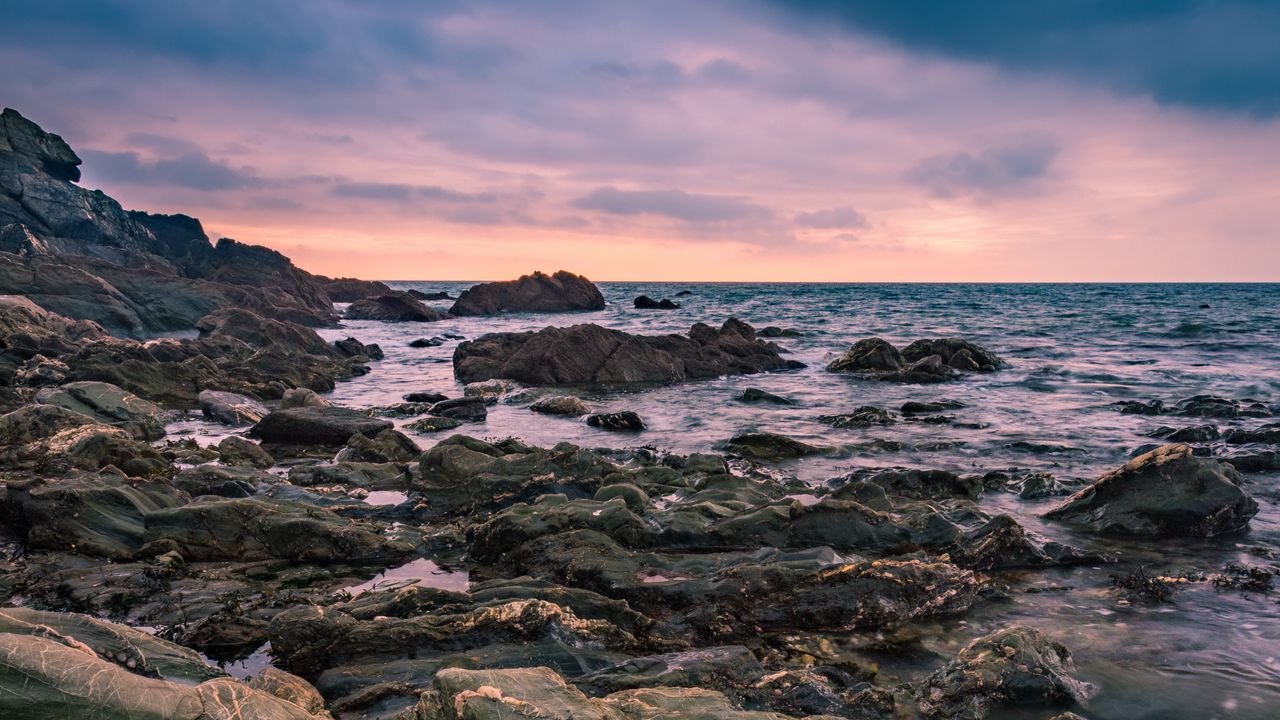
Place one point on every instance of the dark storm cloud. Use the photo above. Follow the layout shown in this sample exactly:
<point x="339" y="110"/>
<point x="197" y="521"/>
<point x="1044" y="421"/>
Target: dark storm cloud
<point x="194" y="170"/>
<point x="675" y="204"/>
<point x="404" y="193"/>
<point x="1011" y="170"/>
<point x="1211" y="54"/>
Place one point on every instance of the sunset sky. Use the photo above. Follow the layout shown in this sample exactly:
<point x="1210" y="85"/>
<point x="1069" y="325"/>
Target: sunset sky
<point x="683" y="140"/>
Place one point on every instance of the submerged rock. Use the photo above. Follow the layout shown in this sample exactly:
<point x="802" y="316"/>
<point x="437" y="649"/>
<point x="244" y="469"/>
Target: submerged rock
<point x="316" y="426"/>
<point x="751" y="395"/>
<point x="590" y="354"/>
<point x="625" y="420"/>
<point x="1016" y="666"/>
<point x="1168" y="491"/>
<point x="539" y="292"/>
<point x="392" y="307"/>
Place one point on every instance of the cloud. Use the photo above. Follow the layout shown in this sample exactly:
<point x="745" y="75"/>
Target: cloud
<point x="404" y="193"/>
<point x="840" y="218"/>
<point x="1209" y="54"/>
<point x="675" y="204"/>
<point x="1010" y="170"/>
<point x="194" y="170"/>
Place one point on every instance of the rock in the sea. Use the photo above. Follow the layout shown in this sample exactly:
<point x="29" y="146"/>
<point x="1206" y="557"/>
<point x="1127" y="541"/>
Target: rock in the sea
<point x="316" y="426"/>
<point x="425" y="396"/>
<point x="923" y="361"/>
<point x="110" y="405"/>
<point x="426" y="342"/>
<point x="624" y="420"/>
<point x="392" y="307"/>
<point x="231" y="408"/>
<point x="1016" y="666"/>
<point x="388" y="446"/>
<point x="751" y="395"/>
<point x="433" y="423"/>
<point x="347" y="290"/>
<point x="353" y="348"/>
<point x="566" y="405"/>
<point x="590" y="354"/>
<point x="644" y="302"/>
<point x="865" y="416"/>
<point x="539" y="292"/>
<point x="769" y="446"/>
<point x="1168" y="491"/>
<point x="467" y="409"/>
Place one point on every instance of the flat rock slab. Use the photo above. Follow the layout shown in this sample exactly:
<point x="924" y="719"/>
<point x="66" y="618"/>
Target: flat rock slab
<point x="317" y="426"/>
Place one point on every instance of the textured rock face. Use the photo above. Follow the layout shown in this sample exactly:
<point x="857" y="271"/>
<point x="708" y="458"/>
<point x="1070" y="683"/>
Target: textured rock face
<point x="1014" y="666"/>
<point x="345" y="290"/>
<point x="1168" y="491"/>
<point x="230" y="408"/>
<point x="110" y="405"/>
<point x="539" y="292"/>
<point x="78" y="253"/>
<point x="923" y="361"/>
<point x="317" y="425"/>
<point x="392" y="307"/>
<point x="590" y="354"/>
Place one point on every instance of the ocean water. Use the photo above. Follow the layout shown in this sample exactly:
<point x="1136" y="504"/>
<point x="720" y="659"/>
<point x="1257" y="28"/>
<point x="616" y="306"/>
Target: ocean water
<point x="1073" y="351"/>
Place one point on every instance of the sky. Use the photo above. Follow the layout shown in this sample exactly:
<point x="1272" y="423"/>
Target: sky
<point x="763" y="140"/>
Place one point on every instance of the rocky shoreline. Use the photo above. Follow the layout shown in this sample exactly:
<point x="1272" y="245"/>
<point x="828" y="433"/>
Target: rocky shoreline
<point x="542" y="582"/>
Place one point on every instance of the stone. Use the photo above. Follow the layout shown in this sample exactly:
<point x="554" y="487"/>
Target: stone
<point x="433" y="424"/>
<point x="235" y="450"/>
<point x="865" y="416"/>
<point x="353" y="348"/>
<point x="590" y="354"/>
<point x="425" y="397"/>
<point x="923" y="361"/>
<point x="752" y="395"/>
<point x="769" y="446"/>
<point x="302" y="398"/>
<point x="1016" y="666"/>
<point x="644" y="302"/>
<point x="316" y="426"/>
<point x="466" y="409"/>
<point x="385" y="447"/>
<point x="231" y="408"/>
<point x="1168" y="491"/>
<point x="110" y="405"/>
<point x="566" y="405"/>
<point x="624" y="420"/>
<point x="346" y="290"/>
<point x="561" y="292"/>
<point x="392" y="307"/>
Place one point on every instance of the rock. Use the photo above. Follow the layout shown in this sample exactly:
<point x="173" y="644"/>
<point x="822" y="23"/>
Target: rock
<point x="566" y="405"/>
<point x="637" y="500"/>
<point x="1267" y="434"/>
<point x="392" y="307"/>
<point x="1168" y="491"/>
<point x="432" y="424"/>
<point x="102" y="449"/>
<point x="1137" y="407"/>
<point x="425" y="397"/>
<point x="644" y="302"/>
<point x="489" y="390"/>
<point x="775" y="331"/>
<point x="1198" y="433"/>
<point x="385" y="447"/>
<point x="684" y="293"/>
<point x="235" y="450"/>
<point x="1212" y="406"/>
<point x="231" y="481"/>
<point x="110" y="405"/>
<point x="561" y="292"/>
<point x="426" y="342"/>
<point x="1015" y="666"/>
<point x="439" y="295"/>
<point x="1003" y="544"/>
<point x="752" y="395"/>
<point x="625" y="420"/>
<point x="590" y="354"/>
<point x="302" y="398"/>
<point x="353" y="348"/>
<point x="290" y="688"/>
<point x="865" y="416"/>
<point x="230" y="408"/>
<point x="769" y="446"/>
<point x="914" y="407"/>
<point x="352" y="473"/>
<point x="55" y="665"/>
<point x="467" y="409"/>
<point x="923" y="361"/>
<point x="316" y="425"/>
<point x="919" y="484"/>
<point x="346" y="290"/>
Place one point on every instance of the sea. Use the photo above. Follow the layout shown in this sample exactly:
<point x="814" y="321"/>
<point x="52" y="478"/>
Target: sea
<point x="1073" y="351"/>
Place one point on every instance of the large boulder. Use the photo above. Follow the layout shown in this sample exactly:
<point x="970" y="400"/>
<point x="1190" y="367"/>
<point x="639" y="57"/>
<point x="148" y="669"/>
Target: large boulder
<point x="110" y="405"/>
<point x="539" y="292"/>
<point x="1168" y="491"/>
<point x="231" y="408"/>
<point x="1014" y="666"/>
<point x="347" y="290"/>
<point x="392" y="307"/>
<point x="316" y="426"/>
<point x="590" y="354"/>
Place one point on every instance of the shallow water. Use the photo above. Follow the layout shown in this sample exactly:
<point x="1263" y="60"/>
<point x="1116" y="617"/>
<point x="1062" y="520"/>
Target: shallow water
<point x="1073" y="349"/>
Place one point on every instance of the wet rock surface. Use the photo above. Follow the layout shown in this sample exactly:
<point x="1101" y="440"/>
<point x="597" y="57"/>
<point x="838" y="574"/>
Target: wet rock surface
<point x="539" y="292"/>
<point x="923" y="361"/>
<point x="392" y="307"/>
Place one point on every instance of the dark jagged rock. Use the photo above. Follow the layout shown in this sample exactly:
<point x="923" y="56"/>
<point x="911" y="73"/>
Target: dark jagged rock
<point x="1212" y="406"/>
<point x="865" y="416"/>
<point x="1138" y="407"/>
<point x="353" y="348"/>
<point x="644" y="302"/>
<point x="1014" y="666"/>
<point x="752" y="395"/>
<point x="539" y="292"/>
<point x="769" y="446"/>
<point x="426" y="342"/>
<point x="773" y="331"/>
<point x="1267" y="434"/>
<point x="392" y="307"/>
<point x="625" y="420"/>
<point x="425" y="397"/>
<point x="316" y="426"/>
<point x="1168" y="491"/>
<point x="915" y="407"/>
<point x="347" y="290"/>
<point x="468" y="409"/>
<point x="919" y="484"/>
<point x="1198" y="433"/>
<point x="590" y="354"/>
<point x="440" y="295"/>
<point x="923" y="361"/>
<point x="387" y="446"/>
